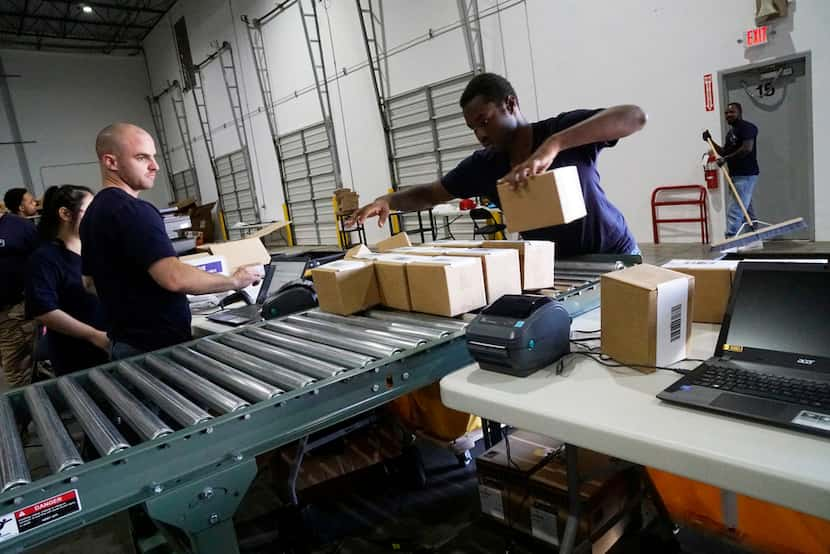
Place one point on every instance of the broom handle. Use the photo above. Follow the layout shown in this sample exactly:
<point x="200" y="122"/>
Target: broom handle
<point x="732" y="186"/>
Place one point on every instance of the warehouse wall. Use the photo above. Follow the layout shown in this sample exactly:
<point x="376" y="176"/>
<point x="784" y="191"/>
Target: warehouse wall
<point x="559" y="56"/>
<point x="62" y="101"/>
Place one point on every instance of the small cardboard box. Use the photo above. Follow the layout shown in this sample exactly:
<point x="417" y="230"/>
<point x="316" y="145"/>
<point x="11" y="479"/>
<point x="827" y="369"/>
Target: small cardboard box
<point x="420" y="250"/>
<point x="713" y="285"/>
<point x="359" y="252"/>
<point x="391" y="271"/>
<point x="536" y="260"/>
<point x="446" y="285"/>
<point x="501" y="270"/>
<point x="347" y="201"/>
<point x="401" y="240"/>
<point x="346" y="286"/>
<point x="551" y="198"/>
<point x="646" y="315"/>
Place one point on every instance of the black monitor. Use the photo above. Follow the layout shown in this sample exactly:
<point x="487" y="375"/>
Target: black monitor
<point x="779" y="313"/>
<point x="281" y="272"/>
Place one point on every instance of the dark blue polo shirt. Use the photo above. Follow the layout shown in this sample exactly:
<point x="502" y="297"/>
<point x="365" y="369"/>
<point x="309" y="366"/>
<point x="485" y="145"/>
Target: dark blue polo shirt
<point x="18" y="239"/>
<point x="122" y="237"/>
<point x="748" y="163"/>
<point x="53" y="282"/>
<point x="603" y="230"/>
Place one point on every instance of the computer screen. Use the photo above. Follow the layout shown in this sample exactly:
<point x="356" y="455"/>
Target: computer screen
<point x="786" y="311"/>
<point x="285" y="271"/>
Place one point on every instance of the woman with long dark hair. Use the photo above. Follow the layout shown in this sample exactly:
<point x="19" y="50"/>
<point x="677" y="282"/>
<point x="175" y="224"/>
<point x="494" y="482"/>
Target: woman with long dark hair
<point x="55" y="294"/>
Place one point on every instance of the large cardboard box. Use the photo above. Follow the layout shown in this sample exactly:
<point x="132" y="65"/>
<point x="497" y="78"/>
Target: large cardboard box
<point x="501" y="270"/>
<point x="713" y="285"/>
<point x="446" y="285"/>
<point x="646" y="315"/>
<point x="247" y="251"/>
<point x="452" y="243"/>
<point x="346" y="286"/>
<point x="529" y="491"/>
<point x="536" y="260"/>
<point x="420" y="250"/>
<point x="401" y="240"/>
<point x="551" y="198"/>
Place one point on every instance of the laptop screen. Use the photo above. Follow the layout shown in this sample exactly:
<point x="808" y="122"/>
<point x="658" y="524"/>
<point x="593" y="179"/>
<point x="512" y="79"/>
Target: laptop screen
<point x="284" y="272"/>
<point x="779" y="313"/>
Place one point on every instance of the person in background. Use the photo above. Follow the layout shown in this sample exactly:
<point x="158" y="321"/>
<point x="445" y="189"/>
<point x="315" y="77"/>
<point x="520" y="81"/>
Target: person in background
<point x="515" y="149"/>
<point x="55" y="293"/>
<point x="740" y="153"/>
<point x="20" y="201"/>
<point x="18" y="239"/>
<point x="127" y="257"/>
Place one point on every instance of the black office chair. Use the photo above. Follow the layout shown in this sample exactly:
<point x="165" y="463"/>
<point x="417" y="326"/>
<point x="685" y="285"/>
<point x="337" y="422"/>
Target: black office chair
<point x="483" y="214"/>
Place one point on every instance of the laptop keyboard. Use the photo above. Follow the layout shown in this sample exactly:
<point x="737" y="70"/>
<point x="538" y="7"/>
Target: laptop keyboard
<point x="788" y="389"/>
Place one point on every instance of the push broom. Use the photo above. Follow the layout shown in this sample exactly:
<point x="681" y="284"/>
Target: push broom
<point x="755" y="234"/>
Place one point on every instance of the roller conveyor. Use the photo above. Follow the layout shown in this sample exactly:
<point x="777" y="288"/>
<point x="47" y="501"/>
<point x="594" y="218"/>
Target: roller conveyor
<point x="177" y="430"/>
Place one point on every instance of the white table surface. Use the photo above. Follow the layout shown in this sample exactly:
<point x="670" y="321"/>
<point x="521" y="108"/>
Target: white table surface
<point x="615" y="411"/>
<point x="201" y="326"/>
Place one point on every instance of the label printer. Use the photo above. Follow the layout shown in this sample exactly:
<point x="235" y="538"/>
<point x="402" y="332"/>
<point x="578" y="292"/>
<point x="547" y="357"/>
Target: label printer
<point x="519" y="334"/>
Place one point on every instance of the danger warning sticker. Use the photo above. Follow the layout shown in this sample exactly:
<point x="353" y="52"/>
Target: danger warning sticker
<point x="36" y="515"/>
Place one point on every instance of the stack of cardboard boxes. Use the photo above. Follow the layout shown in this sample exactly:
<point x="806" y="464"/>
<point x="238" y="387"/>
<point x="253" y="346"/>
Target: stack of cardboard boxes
<point x="446" y="279"/>
<point x="528" y="491"/>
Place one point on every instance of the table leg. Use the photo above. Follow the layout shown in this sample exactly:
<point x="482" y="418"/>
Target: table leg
<point x="566" y="546"/>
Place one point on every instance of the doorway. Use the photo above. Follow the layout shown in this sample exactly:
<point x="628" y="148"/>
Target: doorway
<point x="776" y="97"/>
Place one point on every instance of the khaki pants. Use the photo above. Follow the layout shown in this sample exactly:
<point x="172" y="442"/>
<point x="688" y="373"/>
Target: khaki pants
<point x="16" y="337"/>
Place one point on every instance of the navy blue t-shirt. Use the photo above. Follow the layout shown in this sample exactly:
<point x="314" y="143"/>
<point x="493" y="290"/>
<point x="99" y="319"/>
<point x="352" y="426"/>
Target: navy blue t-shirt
<point x="53" y="282"/>
<point x="122" y="237"/>
<point x="748" y="163"/>
<point x="18" y="239"/>
<point x="603" y="230"/>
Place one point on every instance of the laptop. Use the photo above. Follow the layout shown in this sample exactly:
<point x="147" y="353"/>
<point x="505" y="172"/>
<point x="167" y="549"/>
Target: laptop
<point x="277" y="274"/>
<point x="772" y="360"/>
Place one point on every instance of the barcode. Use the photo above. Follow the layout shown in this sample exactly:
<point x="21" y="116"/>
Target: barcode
<point x="675" y="323"/>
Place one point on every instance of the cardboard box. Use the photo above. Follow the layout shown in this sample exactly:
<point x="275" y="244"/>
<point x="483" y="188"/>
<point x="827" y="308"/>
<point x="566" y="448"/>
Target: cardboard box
<point x="245" y="251"/>
<point x="201" y="220"/>
<point x="501" y="270"/>
<point x="391" y="271"/>
<point x="536" y="260"/>
<point x="450" y="243"/>
<point x="401" y="240"/>
<point x="361" y="251"/>
<point x="347" y="201"/>
<point x="529" y="492"/>
<point x="713" y="285"/>
<point x="346" y="286"/>
<point x="646" y="315"/>
<point x="446" y="285"/>
<point x="420" y="250"/>
<point x="551" y="198"/>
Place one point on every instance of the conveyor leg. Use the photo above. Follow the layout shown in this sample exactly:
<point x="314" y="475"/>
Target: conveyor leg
<point x="204" y="509"/>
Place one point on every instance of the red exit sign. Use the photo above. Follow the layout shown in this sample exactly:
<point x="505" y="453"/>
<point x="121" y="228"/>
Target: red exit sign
<point x="757" y="36"/>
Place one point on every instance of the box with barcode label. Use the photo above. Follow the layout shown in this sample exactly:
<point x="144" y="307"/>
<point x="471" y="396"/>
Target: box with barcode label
<point x="646" y="315"/>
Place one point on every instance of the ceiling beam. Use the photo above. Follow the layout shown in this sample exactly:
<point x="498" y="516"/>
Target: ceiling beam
<point x="79" y="21"/>
<point x="109" y="6"/>
<point x="8" y="36"/>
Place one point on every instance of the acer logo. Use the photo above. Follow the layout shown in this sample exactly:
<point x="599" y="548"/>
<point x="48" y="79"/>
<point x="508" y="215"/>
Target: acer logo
<point x="805" y="361"/>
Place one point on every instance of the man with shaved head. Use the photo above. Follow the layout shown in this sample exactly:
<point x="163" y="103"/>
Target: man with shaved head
<point x="128" y="257"/>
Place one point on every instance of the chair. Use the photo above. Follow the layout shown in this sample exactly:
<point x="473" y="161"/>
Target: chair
<point x="483" y="214"/>
<point x="699" y="200"/>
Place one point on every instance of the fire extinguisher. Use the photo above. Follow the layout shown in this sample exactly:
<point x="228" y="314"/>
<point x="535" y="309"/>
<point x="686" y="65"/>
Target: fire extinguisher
<point x="711" y="171"/>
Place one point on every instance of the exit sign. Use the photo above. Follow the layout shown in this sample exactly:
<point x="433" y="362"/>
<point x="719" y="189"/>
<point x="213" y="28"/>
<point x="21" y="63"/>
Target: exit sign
<point x="757" y="36"/>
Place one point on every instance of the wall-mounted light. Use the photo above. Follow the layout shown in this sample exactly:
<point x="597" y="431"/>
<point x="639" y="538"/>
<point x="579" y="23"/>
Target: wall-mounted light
<point x="86" y="9"/>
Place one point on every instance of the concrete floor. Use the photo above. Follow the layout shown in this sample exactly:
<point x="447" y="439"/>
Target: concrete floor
<point x="112" y="534"/>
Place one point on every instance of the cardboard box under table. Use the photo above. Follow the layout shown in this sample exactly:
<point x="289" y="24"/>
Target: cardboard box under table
<point x="646" y="315"/>
<point x="529" y="491"/>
